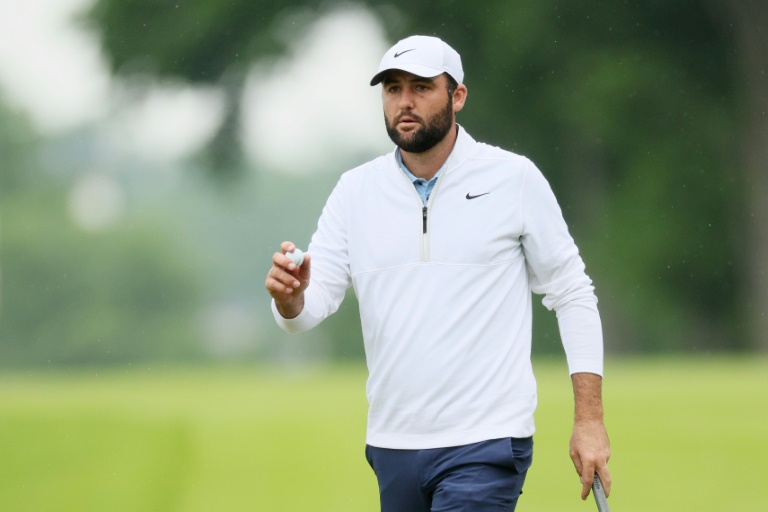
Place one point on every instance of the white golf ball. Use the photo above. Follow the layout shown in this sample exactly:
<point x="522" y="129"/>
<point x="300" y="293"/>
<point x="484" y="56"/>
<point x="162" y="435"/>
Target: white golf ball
<point x="297" y="256"/>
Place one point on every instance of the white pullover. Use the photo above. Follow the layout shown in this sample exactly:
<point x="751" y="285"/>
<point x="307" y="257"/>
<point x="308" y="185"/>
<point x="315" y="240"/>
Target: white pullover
<point x="445" y="293"/>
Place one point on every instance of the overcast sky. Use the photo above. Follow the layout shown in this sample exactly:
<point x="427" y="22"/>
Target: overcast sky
<point x="48" y="68"/>
<point x="305" y="109"/>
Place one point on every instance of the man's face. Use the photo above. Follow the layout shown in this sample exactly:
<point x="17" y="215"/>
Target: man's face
<point x="417" y="111"/>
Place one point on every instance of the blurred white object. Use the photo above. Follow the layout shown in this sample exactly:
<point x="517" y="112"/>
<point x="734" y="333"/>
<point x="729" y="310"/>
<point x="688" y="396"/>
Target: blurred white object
<point x="297" y="256"/>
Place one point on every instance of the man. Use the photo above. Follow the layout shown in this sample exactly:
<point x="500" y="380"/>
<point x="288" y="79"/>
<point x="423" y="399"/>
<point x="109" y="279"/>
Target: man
<point x="443" y="240"/>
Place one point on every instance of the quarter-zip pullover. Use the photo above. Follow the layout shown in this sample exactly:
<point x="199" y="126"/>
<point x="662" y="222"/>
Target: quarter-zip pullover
<point x="445" y="293"/>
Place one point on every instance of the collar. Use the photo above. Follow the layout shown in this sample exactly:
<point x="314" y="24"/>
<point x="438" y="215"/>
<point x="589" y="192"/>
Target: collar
<point x="412" y="176"/>
<point x="460" y="151"/>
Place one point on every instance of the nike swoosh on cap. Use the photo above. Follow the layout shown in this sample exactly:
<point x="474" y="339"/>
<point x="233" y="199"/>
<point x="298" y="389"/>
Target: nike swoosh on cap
<point x="405" y="51"/>
<point x="478" y="195"/>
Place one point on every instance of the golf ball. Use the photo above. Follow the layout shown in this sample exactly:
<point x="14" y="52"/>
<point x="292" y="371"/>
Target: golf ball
<point x="296" y="256"/>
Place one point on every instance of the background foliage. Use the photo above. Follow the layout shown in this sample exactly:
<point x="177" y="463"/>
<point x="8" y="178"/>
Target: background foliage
<point x="635" y="111"/>
<point x="75" y="297"/>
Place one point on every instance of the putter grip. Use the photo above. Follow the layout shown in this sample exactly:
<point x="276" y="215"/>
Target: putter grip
<point x="599" y="493"/>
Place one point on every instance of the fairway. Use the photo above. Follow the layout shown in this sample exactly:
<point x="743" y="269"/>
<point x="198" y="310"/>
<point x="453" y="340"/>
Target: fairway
<point x="687" y="434"/>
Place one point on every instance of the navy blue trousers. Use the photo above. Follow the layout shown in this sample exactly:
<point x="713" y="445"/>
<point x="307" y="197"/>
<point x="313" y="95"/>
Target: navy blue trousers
<point x="480" y="477"/>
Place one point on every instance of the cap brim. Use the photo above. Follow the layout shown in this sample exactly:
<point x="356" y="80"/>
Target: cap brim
<point x="416" y="69"/>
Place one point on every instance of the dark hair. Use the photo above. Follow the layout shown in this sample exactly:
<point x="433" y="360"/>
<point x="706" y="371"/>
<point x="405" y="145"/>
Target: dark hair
<point x="452" y="85"/>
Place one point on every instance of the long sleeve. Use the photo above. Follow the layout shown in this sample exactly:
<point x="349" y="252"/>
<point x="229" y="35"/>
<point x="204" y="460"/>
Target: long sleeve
<point x="557" y="271"/>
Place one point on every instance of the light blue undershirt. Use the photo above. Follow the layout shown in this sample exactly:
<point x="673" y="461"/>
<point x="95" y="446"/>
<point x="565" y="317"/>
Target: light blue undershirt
<point x="423" y="187"/>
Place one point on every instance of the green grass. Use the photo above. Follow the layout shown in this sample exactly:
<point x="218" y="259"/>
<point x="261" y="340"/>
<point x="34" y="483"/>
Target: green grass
<point x="686" y="435"/>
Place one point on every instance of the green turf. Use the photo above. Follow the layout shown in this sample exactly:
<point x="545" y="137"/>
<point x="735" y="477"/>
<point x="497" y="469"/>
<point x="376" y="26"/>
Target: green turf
<point x="686" y="435"/>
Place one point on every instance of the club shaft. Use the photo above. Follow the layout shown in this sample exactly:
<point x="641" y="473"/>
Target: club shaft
<point x="599" y="493"/>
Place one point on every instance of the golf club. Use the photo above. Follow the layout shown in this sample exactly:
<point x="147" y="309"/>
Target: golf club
<point x="599" y="493"/>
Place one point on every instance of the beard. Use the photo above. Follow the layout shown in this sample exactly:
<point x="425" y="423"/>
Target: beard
<point x="422" y="139"/>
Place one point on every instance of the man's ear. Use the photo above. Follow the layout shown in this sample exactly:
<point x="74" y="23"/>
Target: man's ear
<point x="459" y="97"/>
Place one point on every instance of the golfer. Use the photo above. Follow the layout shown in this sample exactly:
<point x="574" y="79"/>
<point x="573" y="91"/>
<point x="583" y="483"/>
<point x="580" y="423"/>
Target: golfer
<point x="443" y="240"/>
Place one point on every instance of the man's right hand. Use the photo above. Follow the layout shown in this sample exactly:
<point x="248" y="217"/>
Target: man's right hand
<point x="286" y="282"/>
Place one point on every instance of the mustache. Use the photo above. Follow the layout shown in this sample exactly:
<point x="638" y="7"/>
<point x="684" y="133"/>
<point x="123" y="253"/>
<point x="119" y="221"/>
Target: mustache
<point x="409" y="114"/>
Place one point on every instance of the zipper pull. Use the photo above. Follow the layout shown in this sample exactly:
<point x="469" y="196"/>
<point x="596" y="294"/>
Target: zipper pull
<point x="424" y="218"/>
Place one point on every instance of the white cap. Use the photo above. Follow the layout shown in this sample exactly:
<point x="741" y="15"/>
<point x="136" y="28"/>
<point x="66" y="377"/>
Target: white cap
<point x="423" y="56"/>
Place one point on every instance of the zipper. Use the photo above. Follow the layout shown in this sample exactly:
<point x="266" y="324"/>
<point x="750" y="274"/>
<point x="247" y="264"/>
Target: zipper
<point x="425" y="246"/>
<point x="423" y="239"/>
<point x="424" y="249"/>
<point x="424" y="252"/>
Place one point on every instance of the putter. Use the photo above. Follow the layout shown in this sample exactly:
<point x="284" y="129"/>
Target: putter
<point x="599" y="493"/>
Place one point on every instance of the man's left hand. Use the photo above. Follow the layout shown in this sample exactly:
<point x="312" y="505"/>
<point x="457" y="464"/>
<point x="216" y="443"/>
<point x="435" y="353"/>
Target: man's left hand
<point x="590" y="448"/>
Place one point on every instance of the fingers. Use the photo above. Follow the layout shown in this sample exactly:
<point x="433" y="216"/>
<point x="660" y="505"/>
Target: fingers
<point x="587" y="464"/>
<point x="587" y="479"/>
<point x="285" y="277"/>
<point x="586" y="470"/>
<point x="590" y="450"/>
<point x="605" y="477"/>
<point x="280" y="277"/>
<point x="304" y="268"/>
<point x="576" y="458"/>
<point x="287" y="247"/>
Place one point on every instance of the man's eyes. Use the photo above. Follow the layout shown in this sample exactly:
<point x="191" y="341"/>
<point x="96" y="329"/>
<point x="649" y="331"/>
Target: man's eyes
<point x="397" y="88"/>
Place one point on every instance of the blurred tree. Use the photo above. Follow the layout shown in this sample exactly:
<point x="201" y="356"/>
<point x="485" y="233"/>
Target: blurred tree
<point x="199" y="41"/>
<point x="17" y="155"/>
<point x="16" y="163"/>
<point x="629" y="108"/>
<point x="71" y="297"/>
<point x="751" y="20"/>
